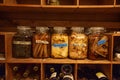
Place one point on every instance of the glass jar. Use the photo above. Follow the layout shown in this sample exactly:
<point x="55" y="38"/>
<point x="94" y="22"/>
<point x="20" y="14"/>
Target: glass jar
<point x="22" y="42"/>
<point x="59" y="43"/>
<point x="78" y="43"/>
<point x="98" y="43"/>
<point x="41" y="43"/>
<point x="53" y="2"/>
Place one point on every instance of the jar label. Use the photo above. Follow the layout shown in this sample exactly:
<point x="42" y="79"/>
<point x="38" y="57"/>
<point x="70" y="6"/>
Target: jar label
<point x="100" y="75"/>
<point x="22" y="42"/>
<point x="101" y="42"/>
<point x="43" y="42"/>
<point x="60" y="45"/>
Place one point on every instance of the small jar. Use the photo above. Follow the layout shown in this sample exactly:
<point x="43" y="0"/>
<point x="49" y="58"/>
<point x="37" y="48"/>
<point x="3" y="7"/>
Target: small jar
<point x="41" y="43"/>
<point x="53" y="2"/>
<point x="78" y="43"/>
<point x="59" y="43"/>
<point x="22" y="43"/>
<point x="98" y="43"/>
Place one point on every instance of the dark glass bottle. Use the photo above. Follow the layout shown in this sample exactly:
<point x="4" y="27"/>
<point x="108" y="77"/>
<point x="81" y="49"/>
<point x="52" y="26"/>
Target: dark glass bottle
<point x="67" y="70"/>
<point x="27" y="71"/>
<point x="53" y="74"/>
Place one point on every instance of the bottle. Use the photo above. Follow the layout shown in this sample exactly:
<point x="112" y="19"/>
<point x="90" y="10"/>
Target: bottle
<point x="101" y="76"/>
<point x="15" y="68"/>
<point x="61" y="75"/>
<point x="53" y="74"/>
<point x="68" y="77"/>
<point x="35" y="68"/>
<point x="27" y="71"/>
<point x="22" y="43"/>
<point x="66" y="69"/>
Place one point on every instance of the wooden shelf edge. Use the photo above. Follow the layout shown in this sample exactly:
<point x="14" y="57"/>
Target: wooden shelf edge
<point x="28" y="60"/>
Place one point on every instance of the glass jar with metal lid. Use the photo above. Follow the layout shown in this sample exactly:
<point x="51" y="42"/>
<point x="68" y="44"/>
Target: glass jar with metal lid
<point x="22" y="42"/>
<point x="78" y="43"/>
<point x="59" y="43"/>
<point x="98" y="43"/>
<point x="41" y="43"/>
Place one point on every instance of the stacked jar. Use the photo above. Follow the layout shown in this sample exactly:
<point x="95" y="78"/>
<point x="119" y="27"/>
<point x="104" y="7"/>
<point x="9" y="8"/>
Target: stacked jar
<point x="41" y="43"/>
<point x="59" y="43"/>
<point x="22" y="42"/>
<point x="78" y="45"/>
<point x="98" y="43"/>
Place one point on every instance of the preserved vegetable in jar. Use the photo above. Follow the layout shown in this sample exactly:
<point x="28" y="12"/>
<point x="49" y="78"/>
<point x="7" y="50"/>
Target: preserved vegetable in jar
<point x="41" y="43"/>
<point x="98" y="44"/>
<point x="22" y="43"/>
<point x="59" y="43"/>
<point x="78" y="43"/>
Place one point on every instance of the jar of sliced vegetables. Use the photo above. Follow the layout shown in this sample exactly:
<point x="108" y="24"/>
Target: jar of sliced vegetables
<point x="59" y="43"/>
<point x="78" y="46"/>
<point x="98" y="43"/>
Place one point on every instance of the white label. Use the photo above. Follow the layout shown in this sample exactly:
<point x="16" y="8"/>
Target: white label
<point x="53" y="75"/>
<point x="69" y="76"/>
<point x="99" y="75"/>
<point x="22" y="42"/>
<point x="40" y="41"/>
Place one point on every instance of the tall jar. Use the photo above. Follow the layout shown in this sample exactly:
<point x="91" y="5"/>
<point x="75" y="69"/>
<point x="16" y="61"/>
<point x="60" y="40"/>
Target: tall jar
<point x="98" y="43"/>
<point x="41" y="43"/>
<point x="59" y="43"/>
<point x="78" y="46"/>
<point x="22" y="42"/>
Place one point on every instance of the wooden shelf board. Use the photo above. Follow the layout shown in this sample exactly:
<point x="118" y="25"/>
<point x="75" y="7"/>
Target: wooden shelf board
<point x="116" y="62"/>
<point x="28" y="60"/>
<point x="50" y="60"/>
<point x="96" y="6"/>
<point x="87" y="61"/>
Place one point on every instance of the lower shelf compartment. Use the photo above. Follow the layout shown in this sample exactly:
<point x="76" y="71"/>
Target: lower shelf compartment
<point x="116" y="72"/>
<point x="89" y="71"/>
<point x="2" y="71"/>
<point x="24" y="71"/>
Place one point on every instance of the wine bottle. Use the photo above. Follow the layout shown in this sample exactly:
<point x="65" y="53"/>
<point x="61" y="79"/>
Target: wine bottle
<point x="15" y="68"/>
<point x="101" y="76"/>
<point x="68" y="77"/>
<point x="66" y="69"/>
<point x="36" y="68"/>
<point x="61" y="75"/>
<point x="53" y="74"/>
<point x="27" y="71"/>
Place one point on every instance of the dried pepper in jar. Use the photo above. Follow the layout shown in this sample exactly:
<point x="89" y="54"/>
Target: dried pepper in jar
<point x="98" y="44"/>
<point x="22" y="43"/>
<point x="78" y="43"/>
<point x="59" y="43"/>
<point x="41" y="43"/>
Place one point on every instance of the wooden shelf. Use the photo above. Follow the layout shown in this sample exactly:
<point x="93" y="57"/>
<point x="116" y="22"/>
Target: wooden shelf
<point x="69" y="13"/>
<point x="29" y="60"/>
